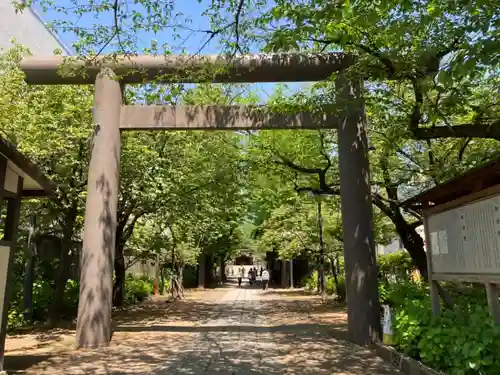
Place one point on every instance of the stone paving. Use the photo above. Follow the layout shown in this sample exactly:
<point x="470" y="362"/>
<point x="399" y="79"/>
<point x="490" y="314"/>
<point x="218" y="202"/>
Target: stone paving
<point x="227" y="331"/>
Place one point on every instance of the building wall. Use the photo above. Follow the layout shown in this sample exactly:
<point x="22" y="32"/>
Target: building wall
<point x="397" y="244"/>
<point x="29" y="30"/>
<point x="394" y="246"/>
<point x="143" y="267"/>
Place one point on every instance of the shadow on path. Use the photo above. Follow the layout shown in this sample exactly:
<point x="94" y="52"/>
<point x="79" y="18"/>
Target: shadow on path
<point x="222" y="331"/>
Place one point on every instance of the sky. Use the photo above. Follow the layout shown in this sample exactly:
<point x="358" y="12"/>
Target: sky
<point x="188" y="37"/>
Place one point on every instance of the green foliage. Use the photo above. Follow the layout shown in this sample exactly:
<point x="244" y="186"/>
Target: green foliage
<point x="395" y="266"/>
<point x="462" y="341"/>
<point x="310" y="283"/>
<point x="42" y="295"/>
<point x="138" y="289"/>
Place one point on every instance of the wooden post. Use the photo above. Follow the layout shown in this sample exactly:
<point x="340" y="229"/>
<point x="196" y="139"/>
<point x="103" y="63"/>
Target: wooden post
<point x="363" y="310"/>
<point x="433" y="287"/>
<point x="3" y="330"/>
<point x="492" y="293"/>
<point x="291" y="274"/>
<point x="96" y="281"/>
<point x="10" y="234"/>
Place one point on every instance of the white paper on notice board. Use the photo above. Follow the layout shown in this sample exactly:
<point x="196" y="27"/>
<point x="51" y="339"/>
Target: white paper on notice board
<point x="434" y="243"/>
<point x="443" y="242"/>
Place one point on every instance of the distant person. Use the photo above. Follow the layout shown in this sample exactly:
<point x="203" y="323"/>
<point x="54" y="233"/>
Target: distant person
<point x="250" y="276"/>
<point x="254" y="275"/>
<point x="241" y="273"/>
<point x="261" y="270"/>
<point x="265" y="279"/>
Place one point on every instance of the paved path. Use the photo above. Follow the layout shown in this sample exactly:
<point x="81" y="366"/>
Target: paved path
<point x="230" y="331"/>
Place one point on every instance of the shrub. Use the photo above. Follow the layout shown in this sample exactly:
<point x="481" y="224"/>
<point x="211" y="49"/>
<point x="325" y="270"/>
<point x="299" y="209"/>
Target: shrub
<point x="461" y="341"/>
<point x="310" y="283"/>
<point x="395" y="266"/>
<point x="70" y="299"/>
<point x="137" y="289"/>
<point x="15" y="318"/>
<point x="330" y="285"/>
<point x="42" y="295"/>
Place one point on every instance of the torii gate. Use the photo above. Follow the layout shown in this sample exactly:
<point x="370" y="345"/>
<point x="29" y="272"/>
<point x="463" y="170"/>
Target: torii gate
<point x="110" y="117"/>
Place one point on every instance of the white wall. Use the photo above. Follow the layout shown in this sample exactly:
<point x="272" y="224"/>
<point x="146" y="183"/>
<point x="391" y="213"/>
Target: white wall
<point x="396" y="244"/>
<point x="28" y="29"/>
<point x="4" y="263"/>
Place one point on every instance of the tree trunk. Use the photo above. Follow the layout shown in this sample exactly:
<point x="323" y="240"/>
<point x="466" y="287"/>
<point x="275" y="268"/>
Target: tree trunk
<point x="29" y="269"/>
<point x="28" y="285"/>
<point x="120" y="276"/>
<point x="412" y="241"/>
<point x="321" y="272"/>
<point x="222" y="271"/>
<point x="284" y="281"/>
<point x="209" y="271"/>
<point x="339" y="289"/>
<point x="162" y="279"/>
<point x="177" y="288"/>
<point x="202" y="268"/>
<point x="180" y="280"/>
<point x="322" y="281"/>
<point x="62" y="274"/>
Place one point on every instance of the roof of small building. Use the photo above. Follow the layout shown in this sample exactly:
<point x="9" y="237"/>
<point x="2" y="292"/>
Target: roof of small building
<point x="35" y="183"/>
<point x="480" y="177"/>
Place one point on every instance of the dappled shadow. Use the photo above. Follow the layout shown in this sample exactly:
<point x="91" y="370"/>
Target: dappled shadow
<point x="232" y="117"/>
<point x="224" y="331"/>
<point x="305" y="330"/>
<point x="16" y="363"/>
<point x="96" y="279"/>
<point x="94" y="309"/>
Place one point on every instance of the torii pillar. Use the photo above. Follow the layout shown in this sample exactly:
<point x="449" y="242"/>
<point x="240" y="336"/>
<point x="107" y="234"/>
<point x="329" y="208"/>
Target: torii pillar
<point x="357" y="214"/>
<point x="96" y="283"/>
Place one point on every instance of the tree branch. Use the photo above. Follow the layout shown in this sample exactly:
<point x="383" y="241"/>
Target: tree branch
<point x="386" y="61"/>
<point x="416" y="115"/>
<point x="235" y="23"/>
<point x="462" y="149"/>
<point x="485" y="131"/>
<point x="290" y="164"/>
<point x="323" y="150"/>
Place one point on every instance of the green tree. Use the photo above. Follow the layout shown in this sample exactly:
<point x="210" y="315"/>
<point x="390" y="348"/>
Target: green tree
<point x="52" y="125"/>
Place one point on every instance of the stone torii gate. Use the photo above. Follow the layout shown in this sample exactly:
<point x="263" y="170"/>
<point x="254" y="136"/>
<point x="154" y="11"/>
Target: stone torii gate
<point x="111" y="117"/>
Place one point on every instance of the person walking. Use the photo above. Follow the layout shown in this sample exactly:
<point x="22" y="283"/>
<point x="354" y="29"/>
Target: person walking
<point x="265" y="280"/>
<point x="241" y="273"/>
